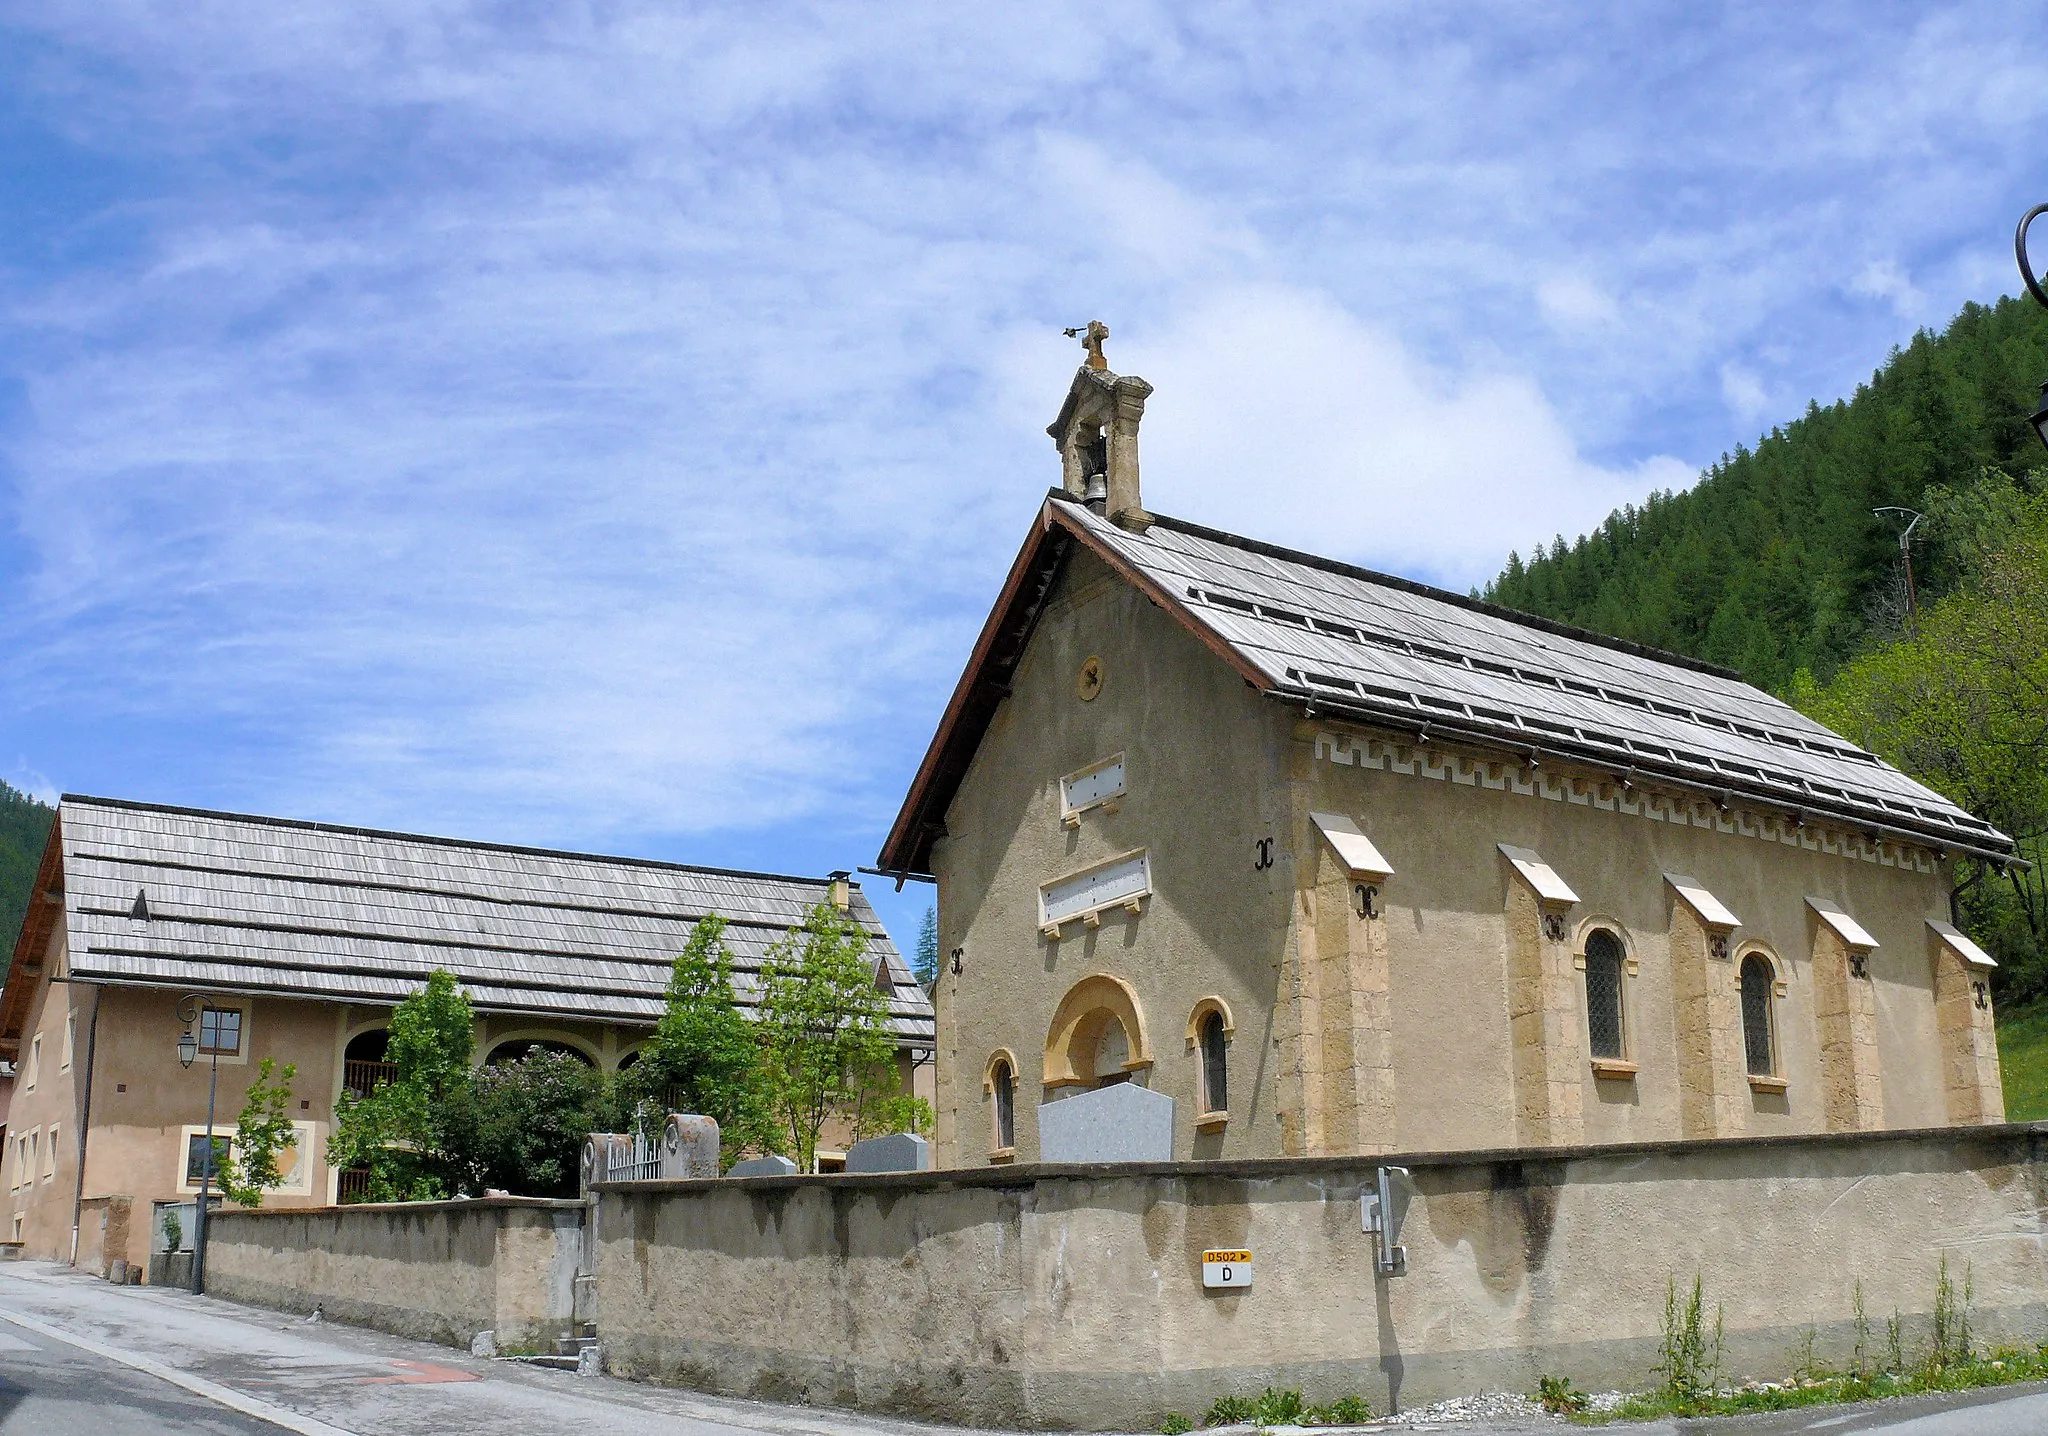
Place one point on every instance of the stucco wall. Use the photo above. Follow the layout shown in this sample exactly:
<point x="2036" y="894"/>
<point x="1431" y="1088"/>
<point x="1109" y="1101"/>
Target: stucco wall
<point x="434" y="1271"/>
<point x="1445" y="921"/>
<point x="1214" y="770"/>
<point x="1206" y="762"/>
<point x="1071" y="1297"/>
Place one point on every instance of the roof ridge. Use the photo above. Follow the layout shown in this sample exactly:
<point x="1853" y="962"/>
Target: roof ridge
<point x="307" y="825"/>
<point x="1443" y="595"/>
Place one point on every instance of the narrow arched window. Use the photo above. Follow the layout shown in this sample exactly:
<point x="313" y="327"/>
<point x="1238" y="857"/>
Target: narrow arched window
<point x="1003" y="1084"/>
<point x="1758" y="980"/>
<point x="1604" y="960"/>
<point x="1215" y="1064"/>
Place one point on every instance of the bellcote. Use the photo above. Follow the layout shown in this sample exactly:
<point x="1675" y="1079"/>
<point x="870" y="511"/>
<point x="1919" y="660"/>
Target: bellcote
<point x="1097" y="434"/>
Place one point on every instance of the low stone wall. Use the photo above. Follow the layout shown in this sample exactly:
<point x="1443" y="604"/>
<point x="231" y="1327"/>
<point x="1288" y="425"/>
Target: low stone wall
<point x="434" y="1271"/>
<point x="1071" y="1296"/>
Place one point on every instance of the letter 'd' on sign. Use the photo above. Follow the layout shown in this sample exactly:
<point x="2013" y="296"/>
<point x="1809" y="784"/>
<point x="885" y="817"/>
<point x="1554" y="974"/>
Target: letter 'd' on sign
<point x="1226" y="1268"/>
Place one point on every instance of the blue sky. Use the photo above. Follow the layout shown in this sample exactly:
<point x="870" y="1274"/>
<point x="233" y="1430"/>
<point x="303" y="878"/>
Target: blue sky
<point x="605" y="425"/>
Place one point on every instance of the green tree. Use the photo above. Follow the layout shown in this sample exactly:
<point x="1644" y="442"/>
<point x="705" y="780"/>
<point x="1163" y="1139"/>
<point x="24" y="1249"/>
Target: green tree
<point x="1961" y="704"/>
<point x="705" y="1055"/>
<point x="263" y="1134"/>
<point x="24" y="829"/>
<point x="401" y="1132"/>
<point x="825" y="1036"/>
<point x="927" y="963"/>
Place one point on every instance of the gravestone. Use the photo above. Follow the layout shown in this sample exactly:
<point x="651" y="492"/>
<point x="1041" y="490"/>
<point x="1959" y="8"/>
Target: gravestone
<point x="689" y="1146"/>
<point x="764" y="1167"/>
<point x="1124" y="1123"/>
<point x="897" y="1152"/>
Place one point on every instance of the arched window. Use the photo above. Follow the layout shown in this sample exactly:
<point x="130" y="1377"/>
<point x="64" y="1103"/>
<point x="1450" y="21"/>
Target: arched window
<point x="1758" y="1041"/>
<point x="1215" y="1064"/>
<point x="1002" y="1081"/>
<point x="1605" y="960"/>
<point x="366" y="1062"/>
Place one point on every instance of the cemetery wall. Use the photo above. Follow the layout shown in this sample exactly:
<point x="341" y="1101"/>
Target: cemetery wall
<point x="434" y="1271"/>
<point x="1072" y="1297"/>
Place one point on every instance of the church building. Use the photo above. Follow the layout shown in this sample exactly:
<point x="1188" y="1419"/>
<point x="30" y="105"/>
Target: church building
<point x="1346" y="864"/>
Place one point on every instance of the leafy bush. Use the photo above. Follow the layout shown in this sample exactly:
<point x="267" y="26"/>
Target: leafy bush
<point x="1175" y="1424"/>
<point x="520" y="1126"/>
<point x="1230" y="1411"/>
<point x="1344" y="1411"/>
<point x="1278" y="1408"/>
<point x="1558" y="1396"/>
<point x="174" y="1232"/>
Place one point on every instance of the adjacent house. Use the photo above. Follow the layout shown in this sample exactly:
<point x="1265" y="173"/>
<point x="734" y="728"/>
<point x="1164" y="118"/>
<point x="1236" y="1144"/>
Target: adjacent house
<point x="295" y="940"/>
<point x="1345" y="864"/>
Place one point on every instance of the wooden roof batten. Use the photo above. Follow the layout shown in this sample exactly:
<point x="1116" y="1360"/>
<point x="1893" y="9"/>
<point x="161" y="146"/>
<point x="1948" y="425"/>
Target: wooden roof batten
<point x="1693" y="725"/>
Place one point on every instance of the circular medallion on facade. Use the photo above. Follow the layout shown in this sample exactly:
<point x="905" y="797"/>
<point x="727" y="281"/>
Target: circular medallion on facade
<point x="1090" y="682"/>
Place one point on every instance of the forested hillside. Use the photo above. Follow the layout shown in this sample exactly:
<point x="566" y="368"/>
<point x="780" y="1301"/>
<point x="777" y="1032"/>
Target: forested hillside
<point x="24" y="824"/>
<point x="1774" y="562"/>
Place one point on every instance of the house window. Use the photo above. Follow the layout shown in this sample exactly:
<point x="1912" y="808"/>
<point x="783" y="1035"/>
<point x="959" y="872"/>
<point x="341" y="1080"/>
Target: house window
<point x="50" y="1154"/>
<point x="31" y="1145"/>
<point x="1003" y="1094"/>
<point x="35" y="1062"/>
<point x="220" y="1032"/>
<point x="1215" y="1064"/>
<point x="1604" y="1021"/>
<point x="195" y="1156"/>
<point x="1758" y="1040"/>
<point x="70" y="1039"/>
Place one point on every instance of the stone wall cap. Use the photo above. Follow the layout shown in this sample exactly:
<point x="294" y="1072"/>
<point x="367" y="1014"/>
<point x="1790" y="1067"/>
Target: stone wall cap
<point x="1352" y="846"/>
<point x="1710" y="909"/>
<point x="1959" y="943"/>
<point x="1846" y="927"/>
<point x="454" y="1204"/>
<point x="1538" y="874"/>
<point x="1272" y="1168"/>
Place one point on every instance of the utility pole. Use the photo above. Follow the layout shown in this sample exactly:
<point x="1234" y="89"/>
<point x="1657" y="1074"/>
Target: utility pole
<point x="1906" y="558"/>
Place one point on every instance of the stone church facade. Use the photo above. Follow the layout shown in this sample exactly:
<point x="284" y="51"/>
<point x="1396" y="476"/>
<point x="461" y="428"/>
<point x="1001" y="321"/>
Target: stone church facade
<point x="1344" y="864"/>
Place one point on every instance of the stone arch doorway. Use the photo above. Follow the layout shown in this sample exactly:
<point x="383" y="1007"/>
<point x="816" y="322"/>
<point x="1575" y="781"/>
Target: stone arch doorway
<point x="1097" y="1037"/>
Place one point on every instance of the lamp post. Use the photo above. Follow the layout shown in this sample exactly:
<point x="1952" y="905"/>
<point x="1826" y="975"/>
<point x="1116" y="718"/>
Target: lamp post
<point x="2039" y="418"/>
<point x="190" y="1010"/>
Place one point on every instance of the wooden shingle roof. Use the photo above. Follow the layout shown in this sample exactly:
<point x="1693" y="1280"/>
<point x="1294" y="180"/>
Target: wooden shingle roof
<point x="180" y="897"/>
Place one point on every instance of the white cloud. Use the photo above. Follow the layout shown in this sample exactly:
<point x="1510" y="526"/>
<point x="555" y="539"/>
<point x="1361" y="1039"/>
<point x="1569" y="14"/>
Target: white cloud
<point x="1744" y="393"/>
<point x="1279" y="415"/>
<point x="1885" y="279"/>
<point x="1571" y="301"/>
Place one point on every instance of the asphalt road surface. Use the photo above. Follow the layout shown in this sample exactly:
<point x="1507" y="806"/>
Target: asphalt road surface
<point x="53" y="1389"/>
<point x="81" y="1358"/>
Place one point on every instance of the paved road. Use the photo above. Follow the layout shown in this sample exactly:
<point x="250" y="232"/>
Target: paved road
<point x="81" y="1358"/>
<point x="53" y="1389"/>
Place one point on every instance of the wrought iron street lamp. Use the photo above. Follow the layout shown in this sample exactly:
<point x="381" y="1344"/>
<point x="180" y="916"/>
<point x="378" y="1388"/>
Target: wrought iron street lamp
<point x="191" y="1010"/>
<point x="2039" y="418"/>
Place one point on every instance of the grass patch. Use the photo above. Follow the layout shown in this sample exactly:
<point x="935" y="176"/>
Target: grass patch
<point x="2000" y="1368"/>
<point x="2023" y="1061"/>
<point x="1691" y="1365"/>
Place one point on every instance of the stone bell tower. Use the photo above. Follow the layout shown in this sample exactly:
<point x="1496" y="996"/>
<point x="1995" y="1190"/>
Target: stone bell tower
<point x="1097" y="434"/>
